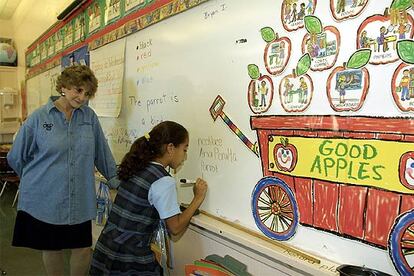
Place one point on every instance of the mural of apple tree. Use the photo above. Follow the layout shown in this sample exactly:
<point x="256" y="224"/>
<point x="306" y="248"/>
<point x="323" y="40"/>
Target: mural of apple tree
<point x="294" y="12"/>
<point x="277" y="52"/>
<point x="402" y="84"/>
<point x="347" y="86"/>
<point x="342" y="9"/>
<point x="321" y="43"/>
<point x="381" y="33"/>
<point x="260" y="91"/>
<point x="296" y="89"/>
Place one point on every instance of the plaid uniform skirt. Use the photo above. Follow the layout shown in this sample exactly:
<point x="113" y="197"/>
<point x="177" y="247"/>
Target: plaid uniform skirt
<point x="123" y="253"/>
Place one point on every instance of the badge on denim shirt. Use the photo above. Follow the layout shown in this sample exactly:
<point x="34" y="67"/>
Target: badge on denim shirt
<point x="47" y="126"/>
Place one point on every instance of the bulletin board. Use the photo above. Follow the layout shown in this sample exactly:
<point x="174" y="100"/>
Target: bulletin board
<point x="299" y="114"/>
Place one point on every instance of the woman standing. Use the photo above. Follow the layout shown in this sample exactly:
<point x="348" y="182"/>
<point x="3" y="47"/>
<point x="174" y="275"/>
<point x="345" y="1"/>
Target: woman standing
<point x="55" y="154"/>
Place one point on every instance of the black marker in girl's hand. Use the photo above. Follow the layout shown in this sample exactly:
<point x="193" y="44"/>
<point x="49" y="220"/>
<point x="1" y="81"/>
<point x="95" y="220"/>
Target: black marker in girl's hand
<point x="187" y="181"/>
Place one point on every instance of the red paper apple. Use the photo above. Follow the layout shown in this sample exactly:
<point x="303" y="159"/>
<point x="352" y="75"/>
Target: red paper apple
<point x="406" y="103"/>
<point x="285" y="155"/>
<point x="277" y="52"/>
<point x="347" y="11"/>
<point x="369" y="35"/>
<point x="260" y="84"/>
<point x="406" y="170"/>
<point x="321" y="43"/>
<point x="347" y="86"/>
<point x="296" y="89"/>
<point x="292" y="98"/>
<point x="287" y="10"/>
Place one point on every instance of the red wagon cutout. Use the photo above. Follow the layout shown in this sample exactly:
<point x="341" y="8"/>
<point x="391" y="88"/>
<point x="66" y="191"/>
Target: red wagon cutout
<point x="351" y="176"/>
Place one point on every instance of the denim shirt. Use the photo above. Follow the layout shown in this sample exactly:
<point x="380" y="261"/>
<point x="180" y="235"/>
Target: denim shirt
<point x="56" y="160"/>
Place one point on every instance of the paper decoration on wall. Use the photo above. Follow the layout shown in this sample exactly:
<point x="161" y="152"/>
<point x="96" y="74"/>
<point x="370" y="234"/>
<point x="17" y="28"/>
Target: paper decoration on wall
<point x="407" y="170"/>
<point x="112" y="10"/>
<point x="382" y="32"/>
<point x="94" y="17"/>
<point x="402" y="87"/>
<point x="294" y="11"/>
<point x="108" y="65"/>
<point x="405" y="50"/>
<point x="296" y="89"/>
<point x="343" y="9"/>
<point x="286" y="155"/>
<point x="347" y="86"/>
<point x="68" y="34"/>
<point x="79" y="27"/>
<point x="322" y="43"/>
<point x="260" y="91"/>
<point x="51" y="46"/>
<point x="133" y="5"/>
<point x="43" y="51"/>
<point x="59" y="41"/>
<point x="277" y="52"/>
<point x="78" y="57"/>
<point x="35" y="57"/>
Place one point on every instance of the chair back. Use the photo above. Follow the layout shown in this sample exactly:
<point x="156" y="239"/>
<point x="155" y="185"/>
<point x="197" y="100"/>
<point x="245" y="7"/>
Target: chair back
<point x="5" y="169"/>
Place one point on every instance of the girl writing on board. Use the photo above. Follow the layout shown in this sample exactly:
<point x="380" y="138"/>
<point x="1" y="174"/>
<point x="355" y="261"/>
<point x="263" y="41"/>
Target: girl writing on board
<point x="147" y="194"/>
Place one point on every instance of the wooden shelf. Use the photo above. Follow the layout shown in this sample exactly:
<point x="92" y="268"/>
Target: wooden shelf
<point x="8" y="68"/>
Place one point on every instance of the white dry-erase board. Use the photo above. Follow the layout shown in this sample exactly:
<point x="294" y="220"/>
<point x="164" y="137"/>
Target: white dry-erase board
<point x="303" y="134"/>
<point x="41" y="87"/>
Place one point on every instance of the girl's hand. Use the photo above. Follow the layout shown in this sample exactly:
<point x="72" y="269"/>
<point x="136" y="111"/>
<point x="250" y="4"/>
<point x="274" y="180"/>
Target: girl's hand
<point x="200" y="189"/>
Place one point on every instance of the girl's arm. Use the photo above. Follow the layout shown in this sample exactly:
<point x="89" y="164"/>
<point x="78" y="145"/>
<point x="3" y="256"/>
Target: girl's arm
<point x="178" y="223"/>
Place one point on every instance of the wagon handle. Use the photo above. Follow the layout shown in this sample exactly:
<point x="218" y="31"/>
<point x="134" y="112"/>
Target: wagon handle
<point x="216" y="110"/>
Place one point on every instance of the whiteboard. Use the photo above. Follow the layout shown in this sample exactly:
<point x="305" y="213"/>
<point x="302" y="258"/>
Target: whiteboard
<point x="175" y="69"/>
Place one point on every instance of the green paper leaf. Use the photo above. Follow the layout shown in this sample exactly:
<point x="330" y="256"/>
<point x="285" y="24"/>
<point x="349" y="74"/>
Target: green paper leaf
<point x="401" y="4"/>
<point x="405" y="50"/>
<point x="303" y="65"/>
<point x="268" y="34"/>
<point x="253" y="70"/>
<point x="359" y="59"/>
<point x="313" y="25"/>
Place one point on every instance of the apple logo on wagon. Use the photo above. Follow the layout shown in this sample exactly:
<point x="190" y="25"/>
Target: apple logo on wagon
<point x="407" y="170"/>
<point x="285" y="155"/>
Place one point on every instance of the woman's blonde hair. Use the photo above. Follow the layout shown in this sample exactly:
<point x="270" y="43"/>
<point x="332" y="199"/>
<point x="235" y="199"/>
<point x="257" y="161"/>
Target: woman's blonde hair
<point x="77" y="75"/>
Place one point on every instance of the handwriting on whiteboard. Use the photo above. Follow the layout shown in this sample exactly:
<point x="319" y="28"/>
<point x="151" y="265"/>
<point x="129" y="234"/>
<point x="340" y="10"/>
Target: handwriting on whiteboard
<point x="214" y="11"/>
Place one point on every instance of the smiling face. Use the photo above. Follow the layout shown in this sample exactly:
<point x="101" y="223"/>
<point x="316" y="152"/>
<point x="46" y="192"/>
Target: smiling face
<point x="76" y="96"/>
<point x="284" y="157"/>
<point x="409" y="171"/>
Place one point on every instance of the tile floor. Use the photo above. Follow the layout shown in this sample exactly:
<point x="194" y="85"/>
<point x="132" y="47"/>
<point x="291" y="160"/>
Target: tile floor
<point x="15" y="261"/>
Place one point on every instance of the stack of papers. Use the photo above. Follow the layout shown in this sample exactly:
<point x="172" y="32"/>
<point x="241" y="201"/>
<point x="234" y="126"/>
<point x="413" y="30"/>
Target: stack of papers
<point x="214" y="265"/>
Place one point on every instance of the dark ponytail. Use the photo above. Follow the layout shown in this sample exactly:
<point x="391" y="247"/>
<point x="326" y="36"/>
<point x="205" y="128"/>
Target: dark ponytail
<point x="151" y="146"/>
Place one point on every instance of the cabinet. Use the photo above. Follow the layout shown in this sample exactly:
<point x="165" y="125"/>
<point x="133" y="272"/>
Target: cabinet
<point x="9" y="103"/>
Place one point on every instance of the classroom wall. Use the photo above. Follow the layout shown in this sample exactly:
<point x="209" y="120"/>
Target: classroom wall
<point x="6" y="28"/>
<point x="29" y="21"/>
